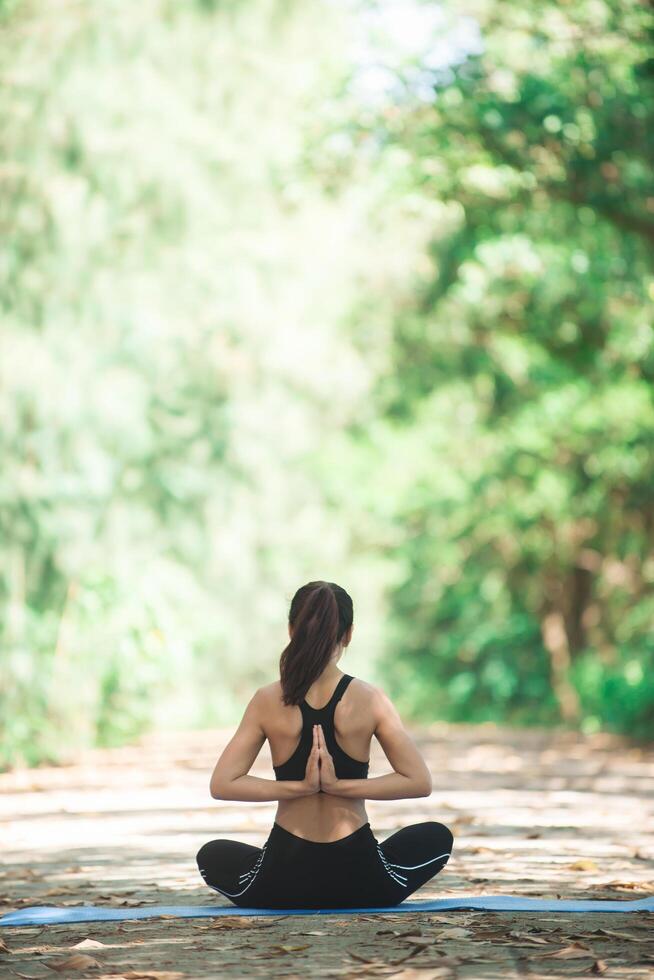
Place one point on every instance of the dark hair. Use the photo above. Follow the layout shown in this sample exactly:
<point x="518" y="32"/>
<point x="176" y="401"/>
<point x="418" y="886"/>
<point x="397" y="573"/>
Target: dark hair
<point x="320" y="615"/>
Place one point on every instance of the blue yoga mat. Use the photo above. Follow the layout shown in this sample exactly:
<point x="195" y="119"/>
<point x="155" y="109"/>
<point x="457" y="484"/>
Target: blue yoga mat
<point x="40" y="915"/>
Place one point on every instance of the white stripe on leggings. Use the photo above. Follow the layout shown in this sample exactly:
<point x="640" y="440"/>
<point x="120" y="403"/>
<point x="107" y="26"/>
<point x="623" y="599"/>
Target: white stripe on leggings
<point x="255" y="870"/>
<point x="412" y="867"/>
<point x="400" y="881"/>
<point x="395" y="875"/>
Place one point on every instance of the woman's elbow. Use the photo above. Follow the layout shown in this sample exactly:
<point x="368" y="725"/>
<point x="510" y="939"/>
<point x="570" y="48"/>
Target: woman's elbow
<point x="218" y="790"/>
<point x="424" y="786"/>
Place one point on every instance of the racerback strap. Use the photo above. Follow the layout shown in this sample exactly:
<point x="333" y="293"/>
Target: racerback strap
<point x="334" y="699"/>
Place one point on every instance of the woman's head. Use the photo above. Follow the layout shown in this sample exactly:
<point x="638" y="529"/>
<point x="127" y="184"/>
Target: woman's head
<point x="319" y="621"/>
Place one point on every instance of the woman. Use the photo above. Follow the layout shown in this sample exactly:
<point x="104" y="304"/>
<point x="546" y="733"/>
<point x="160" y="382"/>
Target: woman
<point x="321" y="852"/>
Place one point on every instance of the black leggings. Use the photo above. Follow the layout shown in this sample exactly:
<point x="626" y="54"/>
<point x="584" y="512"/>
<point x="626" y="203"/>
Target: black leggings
<point x="356" y="871"/>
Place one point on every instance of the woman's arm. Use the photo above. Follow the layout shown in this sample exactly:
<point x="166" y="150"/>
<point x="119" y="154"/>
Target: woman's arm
<point x="230" y="781"/>
<point x="410" y="778"/>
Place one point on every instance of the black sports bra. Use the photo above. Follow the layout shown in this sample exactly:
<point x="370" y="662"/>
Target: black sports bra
<point x="344" y="766"/>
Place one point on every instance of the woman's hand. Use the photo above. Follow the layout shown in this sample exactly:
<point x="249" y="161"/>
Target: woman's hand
<point x="328" y="778"/>
<point x="311" y="781"/>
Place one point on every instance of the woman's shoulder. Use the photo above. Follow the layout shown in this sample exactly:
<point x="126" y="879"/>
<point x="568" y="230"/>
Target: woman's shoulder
<point x="371" y="694"/>
<point x="269" y="694"/>
<point x="362" y="689"/>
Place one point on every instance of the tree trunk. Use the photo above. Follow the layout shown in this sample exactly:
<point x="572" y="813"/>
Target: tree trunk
<point x="555" y="640"/>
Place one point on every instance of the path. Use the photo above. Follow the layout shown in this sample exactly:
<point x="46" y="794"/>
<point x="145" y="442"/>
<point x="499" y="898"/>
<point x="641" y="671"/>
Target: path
<point x="533" y="813"/>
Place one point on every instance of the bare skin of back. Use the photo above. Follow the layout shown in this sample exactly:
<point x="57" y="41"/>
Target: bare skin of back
<point x="329" y="817"/>
<point x="321" y="807"/>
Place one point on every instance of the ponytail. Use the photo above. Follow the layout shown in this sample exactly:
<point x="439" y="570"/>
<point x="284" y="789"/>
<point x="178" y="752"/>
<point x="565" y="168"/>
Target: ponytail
<point x="320" y="614"/>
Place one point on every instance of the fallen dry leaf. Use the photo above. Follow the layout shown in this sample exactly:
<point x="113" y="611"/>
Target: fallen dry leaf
<point x="148" y="975"/>
<point x="599" y="967"/>
<point x="89" y="944"/>
<point x="233" y="922"/>
<point x="639" y="886"/>
<point x="582" y="865"/>
<point x="78" y="961"/>
<point x="407" y="956"/>
<point x="360" y="958"/>
<point x="453" y="932"/>
<point x="3" y="947"/>
<point x="623" y="935"/>
<point x="527" y="937"/>
<point x="574" y="951"/>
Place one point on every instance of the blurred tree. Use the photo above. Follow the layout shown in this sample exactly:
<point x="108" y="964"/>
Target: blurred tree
<point x="172" y="296"/>
<point x="521" y="371"/>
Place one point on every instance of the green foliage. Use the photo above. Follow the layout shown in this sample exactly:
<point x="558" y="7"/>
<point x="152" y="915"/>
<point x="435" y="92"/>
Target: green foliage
<point x="523" y="368"/>
<point x="163" y="380"/>
<point x="261" y="324"/>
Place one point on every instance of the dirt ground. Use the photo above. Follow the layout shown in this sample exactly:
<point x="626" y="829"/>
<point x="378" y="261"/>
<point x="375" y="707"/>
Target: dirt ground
<point x="533" y="813"/>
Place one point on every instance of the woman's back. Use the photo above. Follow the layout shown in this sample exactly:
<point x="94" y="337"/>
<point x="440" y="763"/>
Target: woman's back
<point x="350" y="722"/>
